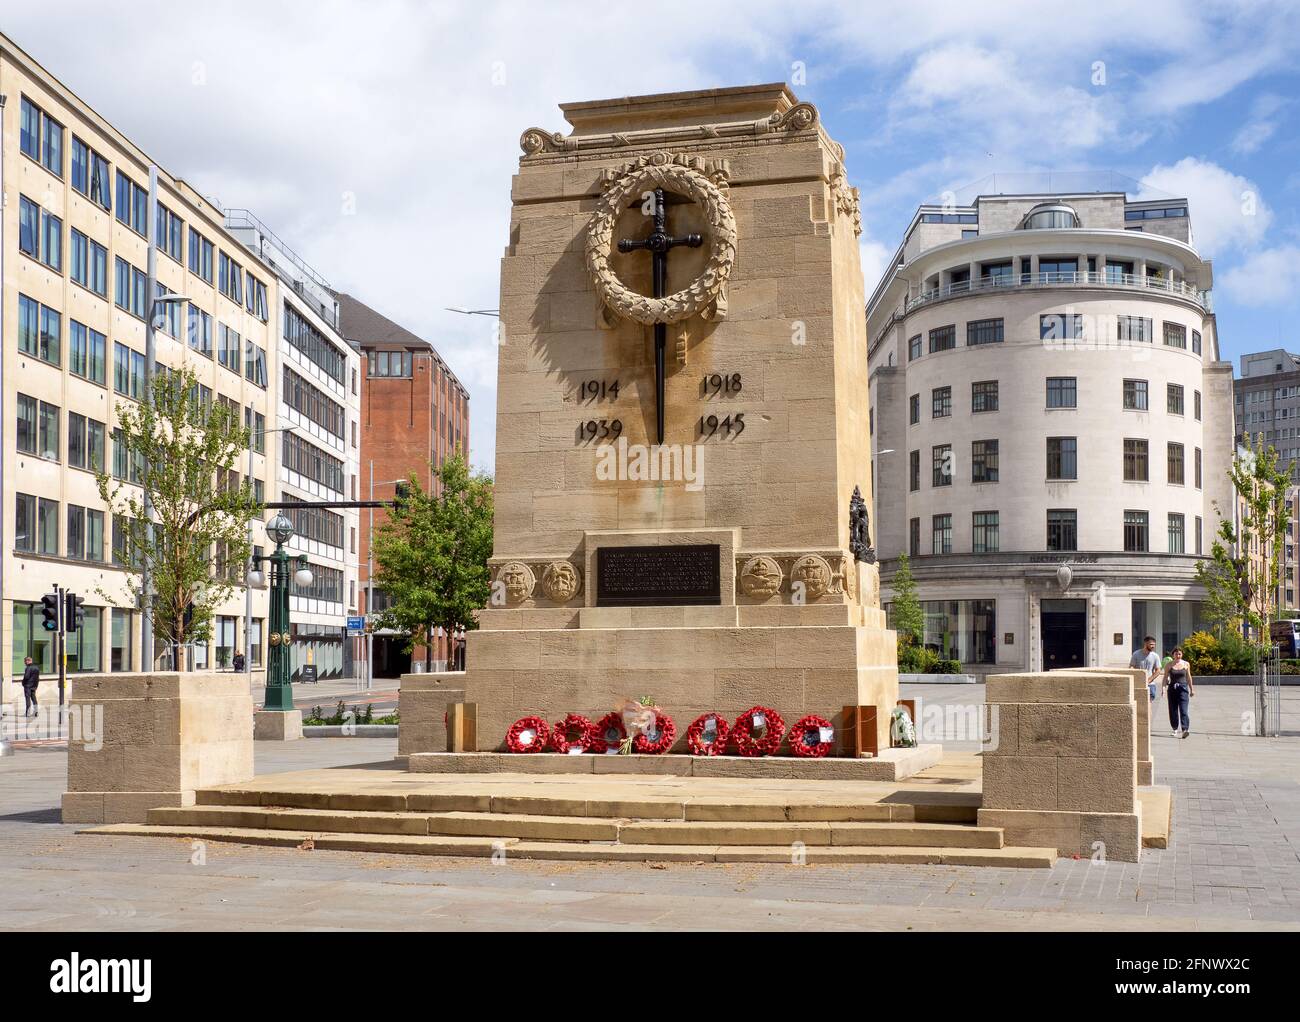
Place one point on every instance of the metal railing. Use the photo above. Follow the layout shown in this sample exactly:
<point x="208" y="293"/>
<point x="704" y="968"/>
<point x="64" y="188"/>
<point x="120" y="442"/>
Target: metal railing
<point x="1268" y="694"/>
<point x="1067" y="279"/>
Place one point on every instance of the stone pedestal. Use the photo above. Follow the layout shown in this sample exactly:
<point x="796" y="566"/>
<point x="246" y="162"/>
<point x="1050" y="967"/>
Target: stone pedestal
<point x="764" y="465"/>
<point x="1060" y="766"/>
<point x="422" y="708"/>
<point x="1142" y="704"/>
<point x="140" y="741"/>
<point x="277" y="725"/>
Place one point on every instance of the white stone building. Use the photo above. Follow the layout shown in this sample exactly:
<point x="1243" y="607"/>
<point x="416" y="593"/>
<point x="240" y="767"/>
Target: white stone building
<point x="1051" y="426"/>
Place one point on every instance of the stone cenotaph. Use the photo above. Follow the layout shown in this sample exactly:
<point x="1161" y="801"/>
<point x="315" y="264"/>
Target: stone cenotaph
<point x="683" y="464"/>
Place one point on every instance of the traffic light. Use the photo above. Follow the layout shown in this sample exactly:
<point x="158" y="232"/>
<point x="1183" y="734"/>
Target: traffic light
<point x="73" y="615"/>
<point x="50" y="612"/>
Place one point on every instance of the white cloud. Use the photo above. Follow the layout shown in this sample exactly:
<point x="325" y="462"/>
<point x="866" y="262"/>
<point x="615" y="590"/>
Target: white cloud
<point x="1226" y="209"/>
<point x="875" y="261"/>
<point x="1263" y="124"/>
<point x="1268" y="277"/>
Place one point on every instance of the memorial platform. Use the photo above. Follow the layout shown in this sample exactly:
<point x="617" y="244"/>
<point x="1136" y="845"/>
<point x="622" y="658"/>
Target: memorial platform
<point x="929" y="818"/>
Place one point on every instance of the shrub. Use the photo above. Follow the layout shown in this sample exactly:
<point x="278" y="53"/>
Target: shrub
<point x="1210" y="656"/>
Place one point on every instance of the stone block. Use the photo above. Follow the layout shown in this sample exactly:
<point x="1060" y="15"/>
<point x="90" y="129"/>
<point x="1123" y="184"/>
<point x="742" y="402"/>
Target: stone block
<point x="1097" y="785"/>
<point x="1057" y="729"/>
<point x="1018" y="782"/>
<point x="1057" y="687"/>
<point x="277" y="725"/>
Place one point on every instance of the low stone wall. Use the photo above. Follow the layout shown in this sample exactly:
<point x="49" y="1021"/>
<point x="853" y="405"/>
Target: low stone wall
<point x="140" y="741"/>
<point x="938" y="679"/>
<point x="422" y="707"/>
<point x="1060" y="769"/>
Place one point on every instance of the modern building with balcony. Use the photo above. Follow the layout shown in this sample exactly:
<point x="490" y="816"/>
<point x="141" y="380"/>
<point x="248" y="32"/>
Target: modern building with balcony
<point x="1051" y="425"/>
<point x="316" y="440"/>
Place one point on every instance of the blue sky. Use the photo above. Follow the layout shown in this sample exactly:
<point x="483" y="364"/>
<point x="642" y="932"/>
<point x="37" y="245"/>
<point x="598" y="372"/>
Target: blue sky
<point x="379" y="138"/>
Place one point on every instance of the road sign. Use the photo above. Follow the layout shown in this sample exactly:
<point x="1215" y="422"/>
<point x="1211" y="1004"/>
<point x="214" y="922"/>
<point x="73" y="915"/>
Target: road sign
<point x="356" y="625"/>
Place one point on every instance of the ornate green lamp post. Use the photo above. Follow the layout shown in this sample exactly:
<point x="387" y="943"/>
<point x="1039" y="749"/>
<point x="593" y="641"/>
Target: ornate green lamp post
<point x="279" y="687"/>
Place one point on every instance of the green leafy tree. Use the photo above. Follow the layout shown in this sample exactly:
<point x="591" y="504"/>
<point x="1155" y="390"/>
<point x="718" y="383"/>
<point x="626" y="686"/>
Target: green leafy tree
<point x="909" y="619"/>
<point x="431" y="556"/>
<point x="1242" y="574"/>
<point x="182" y="452"/>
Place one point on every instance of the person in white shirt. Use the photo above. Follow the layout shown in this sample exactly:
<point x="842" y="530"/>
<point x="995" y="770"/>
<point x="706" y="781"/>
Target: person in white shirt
<point x="1148" y="660"/>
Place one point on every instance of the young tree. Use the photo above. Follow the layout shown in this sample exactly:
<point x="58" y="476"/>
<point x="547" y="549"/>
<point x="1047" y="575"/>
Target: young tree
<point x="182" y="452"/>
<point x="431" y="556"/>
<point x="909" y="619"/>
<point x="1242" y="575"/>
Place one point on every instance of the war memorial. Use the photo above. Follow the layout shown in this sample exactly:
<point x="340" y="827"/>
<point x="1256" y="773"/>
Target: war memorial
<point x="684" y="655"/>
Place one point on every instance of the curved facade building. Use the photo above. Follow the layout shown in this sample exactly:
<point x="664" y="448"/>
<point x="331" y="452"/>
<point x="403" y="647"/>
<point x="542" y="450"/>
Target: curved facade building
<point x="1051" y="426"/>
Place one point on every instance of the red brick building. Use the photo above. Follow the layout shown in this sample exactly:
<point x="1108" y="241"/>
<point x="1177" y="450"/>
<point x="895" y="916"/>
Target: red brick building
<point x="414" y="415"/>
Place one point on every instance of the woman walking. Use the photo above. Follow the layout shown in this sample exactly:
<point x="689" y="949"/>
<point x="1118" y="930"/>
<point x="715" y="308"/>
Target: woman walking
<point x="1178" y="686"/>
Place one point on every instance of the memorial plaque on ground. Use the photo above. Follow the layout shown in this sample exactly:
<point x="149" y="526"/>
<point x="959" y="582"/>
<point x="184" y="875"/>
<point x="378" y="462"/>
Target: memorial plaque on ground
<point x="658" y="576"/>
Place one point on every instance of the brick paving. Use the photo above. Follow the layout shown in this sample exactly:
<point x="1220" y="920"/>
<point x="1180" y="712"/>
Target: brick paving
<point x="1233" y="863"/>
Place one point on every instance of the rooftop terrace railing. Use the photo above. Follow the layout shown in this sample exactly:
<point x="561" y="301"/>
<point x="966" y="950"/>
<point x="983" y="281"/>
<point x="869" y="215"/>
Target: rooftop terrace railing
<point x="1063" y="279"/>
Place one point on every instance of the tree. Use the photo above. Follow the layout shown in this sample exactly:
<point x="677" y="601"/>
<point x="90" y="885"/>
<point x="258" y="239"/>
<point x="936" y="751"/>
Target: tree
<point x="1241" y="577"/>
<point x="182" y="452"/>
<point x="909" y="619"/>
<point x="431" y="556"/>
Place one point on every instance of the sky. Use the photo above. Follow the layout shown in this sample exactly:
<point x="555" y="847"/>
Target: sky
<point x="378" y="138"/>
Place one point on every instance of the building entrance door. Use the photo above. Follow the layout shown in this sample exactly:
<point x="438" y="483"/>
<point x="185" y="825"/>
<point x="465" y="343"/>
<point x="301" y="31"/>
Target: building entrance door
<point x="1065" y="631"/>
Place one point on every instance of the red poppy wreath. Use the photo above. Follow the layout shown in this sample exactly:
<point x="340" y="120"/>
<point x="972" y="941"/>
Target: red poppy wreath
<point x="812" y="737"/>
<point x="707" y="735"/>
<point x="573" y="732"/>
<point x="659" y="739"/>
<point x="528" y="734"/>
<point x="758" y="731"/>
<point x="607" y="733"/>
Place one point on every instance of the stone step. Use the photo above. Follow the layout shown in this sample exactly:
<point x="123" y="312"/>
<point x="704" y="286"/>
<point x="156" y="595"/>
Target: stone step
<point x="535" y="827"/>
<point x="835" y="833"/>
<point x="960" y="809"/>
<point x="413" y="844"/>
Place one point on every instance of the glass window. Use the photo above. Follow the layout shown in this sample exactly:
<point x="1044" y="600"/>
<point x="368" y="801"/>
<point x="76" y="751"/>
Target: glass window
<point x="1174" y="464"/>
<point x="914" y="470"/>
<point x="1134" y="328"/>
<point x="1062" y="392"/>
<point x="27" y="429"/>
<point x="29" y="227"/>
<point x="941" y="465"/>
<point x="1062" y="457"/>
<point x="94" y="535"/>
<point x="78" y="257"/>
<point x="52" y="149"/>
<point x="984" y="396"/>
<point x="984" y="331"/>
<point x="1197" y="468"/>
<point x="1135" y="460"/>
<point x="964" y="630"/>
<point x="984" y="532"/>
<point x="914" y="348"/>
<point x="47" y="527"/>
<point x="1135" y="532"/>
<point x="50" y="349"/>
<point x="51" y="241"/>
<point x="943" y="338"/>
<point x="29" y="130"/>
<point x="48" y="441"/>
<point x="230" y="279"/>
<point x="941" y="534"/>
<point x="1196" y="404"/>
<point x="255" y="364"/>
<point x="76" y="532"/>
<point x="83" y="645"/>
<point x="1176" y="538"/>
<point x="120" y="648"/>
<point x="1062" y="529"/>
<point x="200" y="256"/>
<point x="940" y="402"/>
<point x="1059" y="326"/>
<point x="1174" y="399"/>
<point x="1176" y="335"/>
<point x="984" y="461"/>
<point x="1135" y="395"/>
<point x="30" y="639"/>
<point x="76" y="441"/>
<point x="914" y="409"/>
<point x="25" y="522"/>
<point x="98" y="269"/>
<point x="1196" y="342"/>
<point x="914" y="537"/>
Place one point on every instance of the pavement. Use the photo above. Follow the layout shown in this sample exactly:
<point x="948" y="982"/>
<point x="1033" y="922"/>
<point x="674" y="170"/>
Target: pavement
<point x="1233" y="863"/>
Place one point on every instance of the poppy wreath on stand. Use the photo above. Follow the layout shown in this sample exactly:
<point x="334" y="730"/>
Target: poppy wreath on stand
<point x="704" y="741"/>
<point x="807" y="738"/>
<point x="758" y="731"/>
<point x="664" y="734"/>
<point x="528" y="734"/>
<point x="606" y="733"/>
<point x="573" y="732"/>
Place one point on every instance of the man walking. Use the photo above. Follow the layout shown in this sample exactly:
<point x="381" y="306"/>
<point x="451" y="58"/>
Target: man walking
<point x="1148" y="660"/>
<point x="31" y="679"/>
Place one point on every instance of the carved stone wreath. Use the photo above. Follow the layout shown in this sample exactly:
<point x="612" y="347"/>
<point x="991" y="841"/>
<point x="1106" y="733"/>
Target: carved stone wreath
<point x="658" y="170"/>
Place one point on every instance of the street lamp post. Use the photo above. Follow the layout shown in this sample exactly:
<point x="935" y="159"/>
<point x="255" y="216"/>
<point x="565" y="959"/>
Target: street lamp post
<point x="248" y="583"/>
<point x="370" y="576"/>
<point x="279" y="684"/>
